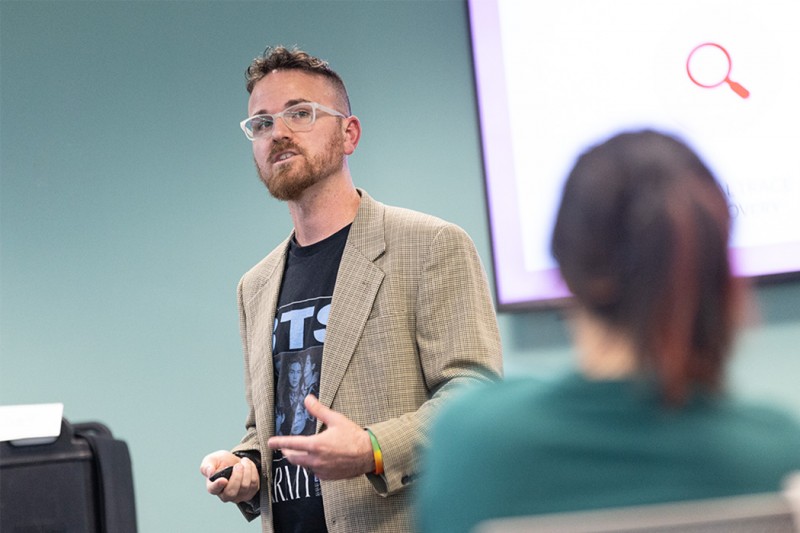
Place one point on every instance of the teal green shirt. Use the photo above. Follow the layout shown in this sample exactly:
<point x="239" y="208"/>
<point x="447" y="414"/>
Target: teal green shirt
<point x="527" y="447"/>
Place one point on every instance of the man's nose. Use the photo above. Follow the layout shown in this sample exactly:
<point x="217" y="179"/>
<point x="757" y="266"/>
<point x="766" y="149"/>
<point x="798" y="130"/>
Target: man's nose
<point x="279" y="129"/>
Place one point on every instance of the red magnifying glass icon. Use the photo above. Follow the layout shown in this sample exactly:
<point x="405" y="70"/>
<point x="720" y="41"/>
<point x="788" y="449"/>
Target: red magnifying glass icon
<point x="709" y="65"/>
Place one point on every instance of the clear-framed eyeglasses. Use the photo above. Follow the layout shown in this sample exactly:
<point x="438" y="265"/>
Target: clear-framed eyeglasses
<point x="299" y="117"/>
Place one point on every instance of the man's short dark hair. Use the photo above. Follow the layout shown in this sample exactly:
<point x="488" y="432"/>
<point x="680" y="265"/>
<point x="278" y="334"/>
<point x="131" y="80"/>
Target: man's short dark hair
<point x="282" y="58"/>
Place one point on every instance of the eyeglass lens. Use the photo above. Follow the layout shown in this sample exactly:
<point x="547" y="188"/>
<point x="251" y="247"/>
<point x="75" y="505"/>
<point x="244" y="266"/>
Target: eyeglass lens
<point x="297" y="118"/>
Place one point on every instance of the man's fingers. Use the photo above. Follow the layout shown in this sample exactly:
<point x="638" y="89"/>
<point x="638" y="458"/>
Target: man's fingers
<point x="287" y="443"/>
<point x="218" y="460"/>
<point x="216" y="487"/>
<point x="231" y="490"/>
<point x="325" y="414"/>
<point x="209" y="464"/>
<point x="317" y="410"/>
<point x="293" y="456"/>
<point x="247" y="473"/>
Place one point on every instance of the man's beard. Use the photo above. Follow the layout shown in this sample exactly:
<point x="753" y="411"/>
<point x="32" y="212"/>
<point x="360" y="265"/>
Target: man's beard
<point x="289" y="182"/>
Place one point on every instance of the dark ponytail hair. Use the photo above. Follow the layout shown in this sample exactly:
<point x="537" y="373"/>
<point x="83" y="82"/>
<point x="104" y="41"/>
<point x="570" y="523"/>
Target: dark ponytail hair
<point x="641" y="238"/>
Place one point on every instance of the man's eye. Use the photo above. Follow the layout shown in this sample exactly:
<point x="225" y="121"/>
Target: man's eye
<point x="300" y="114"/>
<point x="261" y="124"/>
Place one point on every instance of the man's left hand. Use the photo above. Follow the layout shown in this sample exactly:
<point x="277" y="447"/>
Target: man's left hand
<point x="342" y="451"/>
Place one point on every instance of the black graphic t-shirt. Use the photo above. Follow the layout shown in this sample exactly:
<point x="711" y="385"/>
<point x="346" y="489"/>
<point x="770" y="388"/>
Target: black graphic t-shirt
<point x="298" y="337"/>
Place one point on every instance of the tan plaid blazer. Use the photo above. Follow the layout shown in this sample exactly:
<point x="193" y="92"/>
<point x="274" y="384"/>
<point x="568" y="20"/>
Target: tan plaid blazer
<point x="411" y="319"/>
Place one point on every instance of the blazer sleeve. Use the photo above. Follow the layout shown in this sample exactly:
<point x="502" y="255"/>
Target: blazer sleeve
<point x="249" y="445"/>
<point x="458" y="342"/>
<point x="250" y="440"/>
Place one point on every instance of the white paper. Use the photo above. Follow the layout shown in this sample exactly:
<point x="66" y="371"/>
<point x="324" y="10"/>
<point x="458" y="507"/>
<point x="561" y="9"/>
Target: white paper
<point x="35" y="421"/>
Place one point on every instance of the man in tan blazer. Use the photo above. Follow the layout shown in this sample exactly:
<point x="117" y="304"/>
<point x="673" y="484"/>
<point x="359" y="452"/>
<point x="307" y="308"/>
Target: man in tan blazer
<point x="334" y="433"/>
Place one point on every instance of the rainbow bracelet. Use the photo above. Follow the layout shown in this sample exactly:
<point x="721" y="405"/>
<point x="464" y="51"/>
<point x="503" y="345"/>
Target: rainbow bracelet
<point x="376" y="453"/>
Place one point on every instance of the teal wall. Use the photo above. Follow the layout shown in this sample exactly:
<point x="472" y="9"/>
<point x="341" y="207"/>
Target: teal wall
<point x="130" y="207"/>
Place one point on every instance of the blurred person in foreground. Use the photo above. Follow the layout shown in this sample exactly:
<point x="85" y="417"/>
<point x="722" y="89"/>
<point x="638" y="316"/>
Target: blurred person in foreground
<point x="641" y="238"/>
<point x="355" y="328"/>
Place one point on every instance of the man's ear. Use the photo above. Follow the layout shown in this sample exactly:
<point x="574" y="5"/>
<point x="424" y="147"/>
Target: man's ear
<point x="352" y="133"/>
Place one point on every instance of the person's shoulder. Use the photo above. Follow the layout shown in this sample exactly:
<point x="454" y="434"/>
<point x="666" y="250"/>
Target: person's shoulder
<point x="767" y="435"/>
<point x="406" y="228"/>
<point x="403" y="216"/>
<point x="766" y="417"/>
<point x="394" y="215"/>
<point x="415" y="227"/>
<point x="252" y="280"/>
<point x="495" y="399"/>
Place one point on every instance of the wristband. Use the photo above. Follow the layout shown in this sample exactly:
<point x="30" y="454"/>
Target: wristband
<point x="376" y="453"/>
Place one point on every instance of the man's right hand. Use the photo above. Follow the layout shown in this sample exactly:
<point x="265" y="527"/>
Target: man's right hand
<point x="243" y="484"/>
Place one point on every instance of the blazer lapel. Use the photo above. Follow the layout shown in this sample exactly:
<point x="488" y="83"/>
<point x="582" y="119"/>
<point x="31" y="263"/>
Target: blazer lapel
<point x="357" y="285"/>
<point x="262" y="307"/>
